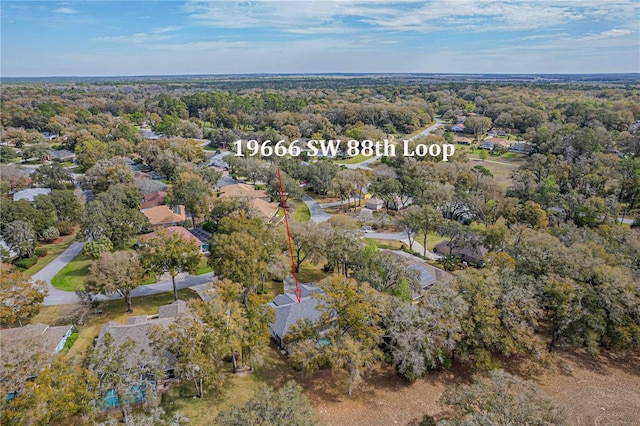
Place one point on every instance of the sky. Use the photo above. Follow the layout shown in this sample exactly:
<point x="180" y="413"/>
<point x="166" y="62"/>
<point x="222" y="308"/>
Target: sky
<point x="114" y="38"/>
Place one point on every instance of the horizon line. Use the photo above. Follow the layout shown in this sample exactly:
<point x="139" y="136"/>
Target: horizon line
<point x="324" y="74"/>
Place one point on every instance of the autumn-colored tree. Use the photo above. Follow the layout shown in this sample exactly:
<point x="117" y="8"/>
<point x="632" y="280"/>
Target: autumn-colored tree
<point x="21" y="297"/>
<point x="60" y="390"/>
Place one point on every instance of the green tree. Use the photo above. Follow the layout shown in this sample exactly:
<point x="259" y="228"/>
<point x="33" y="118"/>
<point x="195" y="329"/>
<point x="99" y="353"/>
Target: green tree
<point x="284" y="407"/>
<point x="60" y="390"/>
<point x="7" y="154"/>
<point x="239" y="257"/>
<point x="193" y="192"/>
<point x="119" y="272"/>
<point x="114" y="214"/>
<point x="20" y="237"/>
<point x="51" y="176"/>
<point x="172" y="253"/>
<point x="95" y="248"/>
<point x="39" y="151"/>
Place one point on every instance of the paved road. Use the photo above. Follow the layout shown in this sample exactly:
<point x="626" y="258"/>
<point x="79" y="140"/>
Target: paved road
<point x="59" y="297"/>
<point x="402" y="237"/>
<point x="317" y="214"/>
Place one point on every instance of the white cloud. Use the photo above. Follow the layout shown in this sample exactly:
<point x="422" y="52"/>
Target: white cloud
<point x="155" y="35"/>
<point x="65" y="10"/>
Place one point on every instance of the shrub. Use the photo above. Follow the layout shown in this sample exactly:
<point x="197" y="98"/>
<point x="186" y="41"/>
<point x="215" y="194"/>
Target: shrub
<point x="70" y="341"/>
<point x="25" y="263"/>
<point x="50" y="234"/>
<point x="95" y="248"/>
<point x="41" y="252"/>
<point x="65" y="228"/>
<point x="209" y="226"/>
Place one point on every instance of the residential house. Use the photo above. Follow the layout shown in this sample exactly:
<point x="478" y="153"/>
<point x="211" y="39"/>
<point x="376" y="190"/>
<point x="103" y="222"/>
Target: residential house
<point x="499" y="141"/>
<point x="163" y="216"/>
<point x="32" y="339"/>
<point x="61" y="155"/>
<point x="48" y="339"/>
<point x="468" y="252"/>
<point x="522" y="148"/>
<point x="289" y="312"/>
<point x="50" y="136"/>
<point x="458" y="128"/>
<point x="148" y="134"/>
<point x="30" y="194"/>
<point x="259" y="199"/>
<point x="154" y="199"/>
<point x="374" y="204"/>
<point x="137" y="329"/>
<point x="462" y="140"/>
<point x="428" y="275"/>
<point x="265" y="210"/>
<point x="140" y="175"/>
<point x="243" y="190"/>
<point x="203" y="243"/>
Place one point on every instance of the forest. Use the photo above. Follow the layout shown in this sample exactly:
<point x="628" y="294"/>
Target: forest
<point x="558" y="225"/>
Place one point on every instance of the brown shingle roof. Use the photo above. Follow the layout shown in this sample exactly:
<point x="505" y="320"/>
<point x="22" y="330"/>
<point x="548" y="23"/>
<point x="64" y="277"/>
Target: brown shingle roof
<point x="164" y="215"/>
<point x="178" y="230"/>
<point x="153" y="200"/>
<point x="499" y="141"/>
<point x="243" y="190"/>
<point x="264" y="209"/>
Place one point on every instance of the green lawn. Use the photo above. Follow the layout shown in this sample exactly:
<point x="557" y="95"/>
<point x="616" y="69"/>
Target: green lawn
<point x="301" y="212"/>
<point x="311" y="273"/>
<point x="203" y="268"/>
<point x="53" y="251"/>
<point x="72" y="276"/>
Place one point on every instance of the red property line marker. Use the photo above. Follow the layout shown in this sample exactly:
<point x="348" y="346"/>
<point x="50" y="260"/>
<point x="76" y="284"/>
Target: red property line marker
<point x="297" y="291"/>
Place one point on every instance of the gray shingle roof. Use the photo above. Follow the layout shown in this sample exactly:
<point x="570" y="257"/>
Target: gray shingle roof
<point x="30" y="194"/>
<point x="289" y="311"/>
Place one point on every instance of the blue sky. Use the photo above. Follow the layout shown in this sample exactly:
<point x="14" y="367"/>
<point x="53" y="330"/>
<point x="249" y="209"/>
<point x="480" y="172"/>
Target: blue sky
<point x="84" y="38"/>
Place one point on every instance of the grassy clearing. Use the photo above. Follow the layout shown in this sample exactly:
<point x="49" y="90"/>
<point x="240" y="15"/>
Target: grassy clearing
<point x="386" y="244"/>
<point x="301" y="212"/>
<point x="54" y="250"/>
<point x="72" y="276"/>
<point x="311" y="273"/>
<point x="432" y="240"/>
